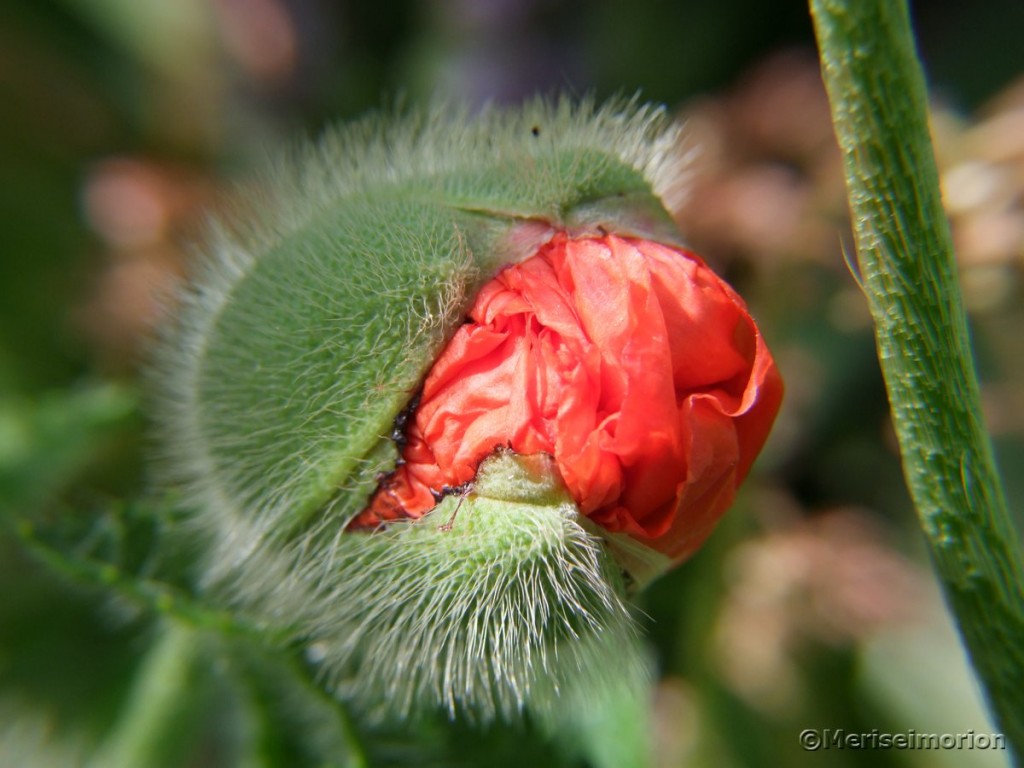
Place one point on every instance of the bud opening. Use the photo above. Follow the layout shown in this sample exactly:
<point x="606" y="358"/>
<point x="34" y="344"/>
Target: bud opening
<point x="630" y="362"/>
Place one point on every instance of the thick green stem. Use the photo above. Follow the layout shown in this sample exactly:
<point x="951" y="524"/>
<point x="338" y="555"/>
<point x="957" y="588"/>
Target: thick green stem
<point x="159" y="720"/>
<point x="904" y="249"/>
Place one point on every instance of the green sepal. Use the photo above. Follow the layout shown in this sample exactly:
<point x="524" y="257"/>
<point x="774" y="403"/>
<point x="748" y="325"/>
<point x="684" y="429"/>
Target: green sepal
<point x="314" y="320"/>
<point x="491" y="605"/>
<point x="321" y="310"/>
<point x="324" y="340"/>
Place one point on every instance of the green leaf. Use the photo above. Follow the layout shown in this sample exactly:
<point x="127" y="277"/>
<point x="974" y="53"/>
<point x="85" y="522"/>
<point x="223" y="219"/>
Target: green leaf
<point x="47" y="442"/>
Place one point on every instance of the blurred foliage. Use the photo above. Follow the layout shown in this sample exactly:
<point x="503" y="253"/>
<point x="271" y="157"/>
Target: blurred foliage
<point x="810" y="607"/>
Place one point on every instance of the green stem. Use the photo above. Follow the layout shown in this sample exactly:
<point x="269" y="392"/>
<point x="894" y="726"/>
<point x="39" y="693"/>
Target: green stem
<point x="160" y="716"/>
<point x="904" y="249"/>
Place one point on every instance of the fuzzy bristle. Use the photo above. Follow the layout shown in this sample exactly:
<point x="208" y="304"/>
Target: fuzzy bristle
<point x="316" y="312"/>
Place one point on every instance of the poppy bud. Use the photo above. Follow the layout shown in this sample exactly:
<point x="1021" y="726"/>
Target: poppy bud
<point x="630" y="362"/>
<point x="592" y="418"/>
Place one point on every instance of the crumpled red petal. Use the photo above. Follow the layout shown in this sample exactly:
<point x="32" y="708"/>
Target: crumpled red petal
<point x="630" y="362"/>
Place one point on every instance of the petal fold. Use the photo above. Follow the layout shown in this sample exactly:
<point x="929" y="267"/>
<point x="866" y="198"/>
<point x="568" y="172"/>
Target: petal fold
<point x="630" y="362"/>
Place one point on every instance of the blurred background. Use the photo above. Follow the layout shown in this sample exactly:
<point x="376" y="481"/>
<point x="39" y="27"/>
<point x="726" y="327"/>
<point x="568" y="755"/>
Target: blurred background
<point x="813" y="606"/>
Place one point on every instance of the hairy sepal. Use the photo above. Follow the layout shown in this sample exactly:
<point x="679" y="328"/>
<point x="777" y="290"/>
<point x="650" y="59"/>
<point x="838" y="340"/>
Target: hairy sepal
<point x="496" y="602"/>
<point x="313" y="320"/>
<point x="322" y="304"/>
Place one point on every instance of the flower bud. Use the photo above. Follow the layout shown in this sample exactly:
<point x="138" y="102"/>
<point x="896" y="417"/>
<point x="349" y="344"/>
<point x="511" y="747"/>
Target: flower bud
<point x="630" y="362"/>
<point x="593" y="416"/>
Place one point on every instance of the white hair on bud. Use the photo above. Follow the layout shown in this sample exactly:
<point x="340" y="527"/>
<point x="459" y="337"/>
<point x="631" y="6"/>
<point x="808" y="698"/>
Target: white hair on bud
<point x="482" y="607"/>
<point x="380" y="151"/>
<point x="347" y="163"/>
<point x="477" y="620"/>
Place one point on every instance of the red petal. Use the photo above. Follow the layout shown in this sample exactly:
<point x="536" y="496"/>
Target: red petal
<point x="630" y="362"/>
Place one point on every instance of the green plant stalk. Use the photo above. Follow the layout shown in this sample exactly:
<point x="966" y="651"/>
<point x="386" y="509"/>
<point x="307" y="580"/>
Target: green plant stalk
<point x="904" y="249"/>
<point x="169" y="702"/>
<point x="161" y="713"/>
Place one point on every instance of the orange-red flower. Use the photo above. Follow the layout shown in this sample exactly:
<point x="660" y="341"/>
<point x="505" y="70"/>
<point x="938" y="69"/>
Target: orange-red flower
<point x="630" y="362"/>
